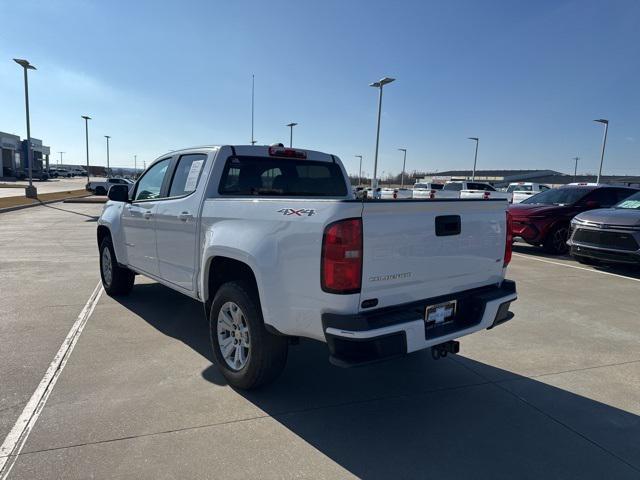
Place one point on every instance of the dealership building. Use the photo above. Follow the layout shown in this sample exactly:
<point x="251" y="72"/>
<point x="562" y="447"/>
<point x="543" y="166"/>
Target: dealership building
<point x="15" y="162"/>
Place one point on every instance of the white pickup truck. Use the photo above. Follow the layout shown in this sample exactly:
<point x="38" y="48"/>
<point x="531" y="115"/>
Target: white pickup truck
<point x="276" y="246"/>
<point x="522" y="190"/>
<point x="458" y="189"/>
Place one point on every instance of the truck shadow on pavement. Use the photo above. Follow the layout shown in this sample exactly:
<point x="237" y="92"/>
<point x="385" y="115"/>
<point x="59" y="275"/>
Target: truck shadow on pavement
<point x="414" y="417"/>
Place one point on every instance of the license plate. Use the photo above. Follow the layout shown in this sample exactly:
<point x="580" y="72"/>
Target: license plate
<point x="440" y="313"/>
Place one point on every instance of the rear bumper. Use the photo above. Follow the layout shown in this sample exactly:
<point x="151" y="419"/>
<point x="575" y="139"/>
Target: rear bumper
<point x="390" y="332"/>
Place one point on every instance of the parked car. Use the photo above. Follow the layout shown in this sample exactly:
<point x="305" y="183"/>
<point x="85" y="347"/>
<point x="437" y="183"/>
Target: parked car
<point x="101" y="187"/>
<point x="610" y="235"/>
<point x="64" y="173"/>
<point x="426" y="190"/>
<point x="522" y="190"/>
<point x="544" y="219"/>
<point x="457" y="189"/>
<point x="395" y="193"/>
<point x="273" y="242"/>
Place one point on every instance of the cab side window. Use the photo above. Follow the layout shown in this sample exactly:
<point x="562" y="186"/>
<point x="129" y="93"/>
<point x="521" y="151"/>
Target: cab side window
<point x="187" y="173"/>
<point x="150" y="184"/>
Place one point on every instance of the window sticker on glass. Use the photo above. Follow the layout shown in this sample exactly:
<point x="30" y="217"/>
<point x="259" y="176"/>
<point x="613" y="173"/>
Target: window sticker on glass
<point x="194" y="173"/>
<point x="630" y="204"/>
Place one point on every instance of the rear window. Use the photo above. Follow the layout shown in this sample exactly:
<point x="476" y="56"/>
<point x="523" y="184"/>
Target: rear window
<point x="480" y="186"/>
<point x="281" y="177"/>
<point x="559" y="196"/>
<point x="436" y="186"/>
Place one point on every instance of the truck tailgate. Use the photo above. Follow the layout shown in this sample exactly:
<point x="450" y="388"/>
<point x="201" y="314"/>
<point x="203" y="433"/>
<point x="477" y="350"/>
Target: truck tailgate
<point x="415" y="250"/>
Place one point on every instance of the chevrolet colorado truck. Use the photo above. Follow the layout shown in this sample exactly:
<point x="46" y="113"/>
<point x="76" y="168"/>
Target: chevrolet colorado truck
<point x="276" y="246"/>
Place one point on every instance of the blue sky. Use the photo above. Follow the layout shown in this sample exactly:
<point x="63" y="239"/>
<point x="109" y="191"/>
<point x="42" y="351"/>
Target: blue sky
<point x="526" y="77"/>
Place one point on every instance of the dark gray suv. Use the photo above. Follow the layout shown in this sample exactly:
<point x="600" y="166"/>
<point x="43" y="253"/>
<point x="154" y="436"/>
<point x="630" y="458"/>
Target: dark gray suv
<point x="610" y="235"/>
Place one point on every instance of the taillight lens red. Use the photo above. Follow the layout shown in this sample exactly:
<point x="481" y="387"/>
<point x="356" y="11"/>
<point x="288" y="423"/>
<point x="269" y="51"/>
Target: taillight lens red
<point x="508" y="247"/>
<point x="287" y="152"/>
<point x="342" y="257"/>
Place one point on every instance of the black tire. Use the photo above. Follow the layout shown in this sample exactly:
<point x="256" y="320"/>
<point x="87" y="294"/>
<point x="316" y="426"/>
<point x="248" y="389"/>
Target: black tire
<point x="556" y="240"/>
<point x="121" y="278"/>
<point x="586" y="260"/>
<point x="100" y="191"/>
<point x="266" y="353"/>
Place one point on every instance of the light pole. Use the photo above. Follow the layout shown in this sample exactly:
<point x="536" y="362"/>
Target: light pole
<point x="291" y="125"/>
<point x="604" y="144"/>
<point x="253" y="87"/>
<point x="135" y="167"/>
<point x="359" y="169"/>
<point x="108" y="169"/>
<point x="404" y="163"/>
<point x="575" y="168"/>
<point x="475" y="158"/>
<point x="30" y="191"/>
<point x="86" y="137"/>
<point x="60" y="162"/>
<point x="379" y="85"/>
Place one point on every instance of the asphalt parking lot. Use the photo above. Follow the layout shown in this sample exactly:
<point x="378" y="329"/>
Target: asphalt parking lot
<point x="555" y="393"/>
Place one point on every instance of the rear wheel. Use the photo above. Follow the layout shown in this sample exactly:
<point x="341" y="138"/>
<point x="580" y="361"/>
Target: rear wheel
<point x="116" y="280"/>
<point x="246" y="353"/>
<point x="556" y="241"/>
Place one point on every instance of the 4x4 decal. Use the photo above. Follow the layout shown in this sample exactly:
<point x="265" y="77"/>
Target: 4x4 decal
<point x="297" y="211"/>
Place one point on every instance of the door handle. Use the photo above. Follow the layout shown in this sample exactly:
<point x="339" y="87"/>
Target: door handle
<point x="184" y="216"/>
<point x="147" y="215"/>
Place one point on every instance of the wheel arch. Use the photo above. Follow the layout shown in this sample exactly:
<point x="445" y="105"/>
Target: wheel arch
<point x="222" y="269"/>
<point x="102" y="233"/>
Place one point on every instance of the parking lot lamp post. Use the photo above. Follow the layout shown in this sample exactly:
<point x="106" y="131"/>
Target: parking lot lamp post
<point x="475" y="158"/>
<point x="379" y="85"/>
<point x="30" y="191"/>
<point x="86" y="138"/>
<point x="60" y="158"/>
<point x="404" y="164"/>
<point x="575" y="168"/>
<point x="135" y="167"/>
<point x="291" y="125"/>
<point x="108" y="169"/>
<point x="604" y="144"/>
<point x="359" y="169"/>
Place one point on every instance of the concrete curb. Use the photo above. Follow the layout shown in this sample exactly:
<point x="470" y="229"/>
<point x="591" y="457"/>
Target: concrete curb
<point x="29" y="205"/>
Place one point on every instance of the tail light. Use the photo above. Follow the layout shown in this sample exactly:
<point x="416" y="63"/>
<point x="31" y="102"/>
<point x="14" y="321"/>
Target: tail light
<point x="508" y="247"/>
<point x="341" y="265"/>
<point x="286" y="152"/>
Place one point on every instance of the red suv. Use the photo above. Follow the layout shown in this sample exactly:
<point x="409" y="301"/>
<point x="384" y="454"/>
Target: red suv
<point x="543" y="220"/>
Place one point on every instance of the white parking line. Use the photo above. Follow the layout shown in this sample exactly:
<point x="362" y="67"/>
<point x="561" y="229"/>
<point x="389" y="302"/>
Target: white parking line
<point x="576" y="267"/>
<point x="17" y="437"/>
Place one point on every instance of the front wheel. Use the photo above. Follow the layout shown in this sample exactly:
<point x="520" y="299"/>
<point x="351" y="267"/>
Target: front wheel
<point x="116" y="280"/>
<point x="556" y="241"/>
<point x="247" y="355"/>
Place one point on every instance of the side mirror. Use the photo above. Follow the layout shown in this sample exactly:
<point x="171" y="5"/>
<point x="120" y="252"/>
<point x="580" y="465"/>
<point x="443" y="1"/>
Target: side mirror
<point x="592" y="204"/>
<point x="119" y="193"/>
